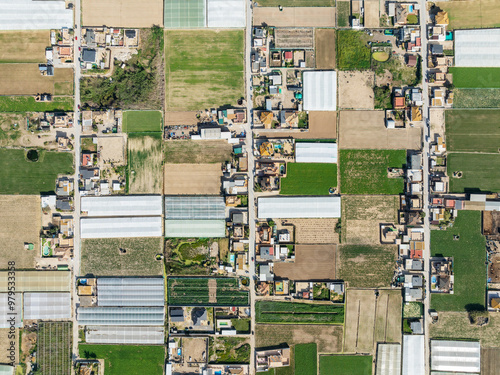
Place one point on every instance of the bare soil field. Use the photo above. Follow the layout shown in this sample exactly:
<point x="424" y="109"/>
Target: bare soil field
<point x="24" y="46"/>
<point x="294" y="38"/>
<point x="325" y="49"/>
<point x="356" y="90"/>
<point x="192" y="179"/>
<point x="437" y="121"/>
<point x="366" y="130"/>
<point x="312" y="262"/>
<point x="199" y="152"/>
<point x="145" y="158"/>
<point x="122" y="13"/>
<point x="295" y="17"/>
<point x="25" y="79"/>
<point x="5" y="345"/>
<point x="322" y="125"/>
<point x="490" y="361"/>
<point x="181" y="118"/>
<point x="370" y="319"/>
<point x="192" y="349"/>
<point x="363" y="214"/>
<point x="315" y="231"/>
<point x="19" y="211"/>
<point x="112" y="149"/>
<point x="471" y="14"/>
<point x="372" y="13"/>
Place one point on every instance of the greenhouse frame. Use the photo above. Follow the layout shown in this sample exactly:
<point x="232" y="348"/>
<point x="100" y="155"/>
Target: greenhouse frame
<point x="138" y="291"/>
<point x="195" y="228"/>
<point x="298" y="207"/>
<point x="47" y="305"/>
<point x="203" y="207"/>
<point x="147" y="335"/>
<point x="126" y="205"/>
<point x="121" y="316"/>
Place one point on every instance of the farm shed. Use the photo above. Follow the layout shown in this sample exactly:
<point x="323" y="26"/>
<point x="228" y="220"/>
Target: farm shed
<point x="38" y="281"/>
<point x="477" y="48"/>
<point x="121" y="316"/>
<point x="320" y="90"/>
<point x="195" y="207"/>
<point x="195" y="228"/>
<point x="137" y="291"/>
<point x="388" y="359"/>
<point x="298" y="207"/>
<point x="146" y="335"/>
<point x="315" y="152"/>
<point x="413" y="355"/>
<point x="47" y="305"/>
<point x="129" y="205"/>
<point x="121" y="227"/>
<point x="456" y="356"/>
<point x="6" y="312"/>
<point x="35" y="15"/>
<point x="226" y="13"/>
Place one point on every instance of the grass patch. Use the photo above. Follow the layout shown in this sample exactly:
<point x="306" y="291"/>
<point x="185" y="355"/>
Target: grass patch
<point x="241" y="325"/>
<point x="382" y="97"/>
<point x="124" y="359"/>
<point x="228" y="350"/>
<point x="466" y="15"/>
<point x="475" y="77"/>
<point x="352" y="51"/>
<point x="306" y="359"/>
<point x="296" y="312"/>
<point x="413" y="310"/>
<point x="476" y="98"/>
<point x="20" y="176"/>
<point x="381" y="56"/>
<point x="28" y="104"/>
<point x="343" y="13"/>
<point x="309" y="179"/>
<point x="469" y="257"/>
<point x="402" y="75"/>
<point x="481" y="172"/>
<point x="142" y="121"/>
<point x="345" y="364"/>
<point x="145" y="161"/>
<point x="365" y="171"/>
<point x="187" y="151"/>
<point x="187" y="256"/>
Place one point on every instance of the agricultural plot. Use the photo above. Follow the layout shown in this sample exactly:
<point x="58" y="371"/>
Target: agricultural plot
<point x="312" y="262"/>
<point x="21" y="176"/>
<point x="469" y="257"/>
<point x="122" y="13"/>
<point x="198" y="77"/>
<point x="189" y="257"/>
<point x="192" y="179"/>
<point x="228" y="350"/>
<point x="25" y="79"/>
<point x="298" y="313"/>
<point x="54" y="354"/>
<point x="309" y="179"/>
<point x="24" y="104"/>
<point x="352" y="51"/>
<point x="480" y="172"/>
<point x="24" y="46"/>
<point x="315" y="231"/>
<point x="103" y="257"/>
<point x="297" y="3"/>
<point x="142" y="121"/>
<point x="322" y="125"/>
<point x="5" y="346"/>
<point x="472" y="78"/>
<point x="372" y="13"/>
<point x="490" y="361"/>
<point x="187" y="151"/>
<point x="345" y="364"/>
<point x="366" y="171"/>
<point x="471" y="14"/>
<point x="343" y="13"/>
<point x="306" y="359"/>
<point x="476" y="98"/>
<point x="365" y="266"/>
<point x="294" y="38"/>
<point x="304" y="16"/>
<point x="145" y="159"/>
<point x="356" y="91"/>
<point x="325" y="49"/>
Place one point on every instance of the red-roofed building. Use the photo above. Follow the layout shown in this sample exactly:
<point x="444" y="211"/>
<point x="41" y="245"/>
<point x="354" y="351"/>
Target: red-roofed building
<point x="418" y="42"/>
<point x="450" y="203"/>
<point x="288" y="55"/>
<point x="86" y="160"/>
<point x="416" y="254"/>
<point x="399" y="102"/>
<point x="437" y="201"/>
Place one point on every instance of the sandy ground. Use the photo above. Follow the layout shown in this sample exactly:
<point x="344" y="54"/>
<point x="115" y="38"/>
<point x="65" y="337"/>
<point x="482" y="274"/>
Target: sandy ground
<point x="437" y="122"/>
<point x="312" y="262"/>
<point x="372" y="13"/>
<point x="315" y="231"/>
<point x="325" y="49"/>
<point x="25" y="79"/>
<point x="24" y="46"/>
<point x="322" y="125"/>
<point x="356" y="90"/>
<point x="295" y="17"/>
<point x="181" y="118"/>
<point x="147" y="172"/>
<point x="192" y="179"/>
<point x="122" y="13"/>
<point x="366" y="130"/>
<point x="112" y="148"/>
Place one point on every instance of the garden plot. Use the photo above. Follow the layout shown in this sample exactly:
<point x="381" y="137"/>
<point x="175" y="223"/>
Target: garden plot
<point x="312" y="262"/>
<point x="142" y="121"/>
<point x="122" y="13"/>
<point x="294" y="17"/>
<point x="24" y="46"/>
<point x="315" y="231"/>
<point x="325" y="49"/>
<point x="145" y="159"/>
<point x="356" y="90"/>
<point x="25" y="79"/>
<point x="192" y="179"/>
<point x="294" y="38"/>
<point x="187" y="151"/>
<point x="299" y="313"/>
<point x="54" y="354"/>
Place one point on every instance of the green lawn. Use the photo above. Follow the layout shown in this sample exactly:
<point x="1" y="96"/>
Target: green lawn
<point x="309" y="179"/>
<point x="343" y="13"/>
<point x="296" y="3"/>
<point x="20" y="176"/>
<point x="142" y="121"/>
<point x="365" y="171"/>
<point x="298" y="313"/>
<point x="306" y="359"/>
<point x="481" y="172"/>
<point x="127" y="359"/>
<point x="345" y="365"/>
<point x="469" y="257"/>
<point x="352" y="51"/>
<point x="476" y="77"/>
<point x="28" y="104"/>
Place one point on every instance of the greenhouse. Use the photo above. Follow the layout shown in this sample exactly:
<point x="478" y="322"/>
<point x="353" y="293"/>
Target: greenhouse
<point x="298" y="207"/>
<point x="195" y="207"/>
<point x="195" y="228"/>
<point x="129" y="205"/>
<point x="130" y="291"/>
<point x="316" y="152"/>
<point x="121" y="227"/>
<point x="47" y="305"/>
<point x="119" y="316"/>
<point x="125" y="335"/>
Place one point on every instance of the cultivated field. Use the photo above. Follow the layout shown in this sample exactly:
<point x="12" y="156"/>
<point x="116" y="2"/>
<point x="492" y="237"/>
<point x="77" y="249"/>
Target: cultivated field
<point x="103" y="257"/>
<point x="471" y="78"/>
<point x="122" y="13"/>
<point x="356" y="92"/>
<point x="24" y="104"/>
<point x="5" y="346"/>
<point x="325" y="49"/>
<point x="315" y="231"/>
<point x="19" y="211"/>
<point x="297" y="312"/>
<point x="296" y="3"/>
<point x="54" y="347"/>
<point x="476" y="98"/>
<point x="306" y="359"/>
<point x="490" y="361"/>
<point x="24" y="46"/>
<point x="352" y="51"/>
<point x="198" y="77"/>
<point x="471" y="14"/>
<point x="480" y="172"/>
<point x="372" y="16"/>
<point x="141" y="121"/>
<point x="312" y="262"/>
<point x="294" y="38"/>
<point x="365" y="171"/>
<point x="322" y="125"/>
<point x="25" y="79"/>
<point x="309" y="179"/>
<point x="343" y="13"/>
<point x="370" y="319"/>
<point x="112" y="149"/>
<point x="364" y="266"/>
<point x="187" y="151"/>
<point x="345" y="365"/>
<point x="192" y="179"/>
<point x="181" y="118"/>
<point x="145" y="158"/>
<point x="295" y="17"/>
<point x="367" y="130"/>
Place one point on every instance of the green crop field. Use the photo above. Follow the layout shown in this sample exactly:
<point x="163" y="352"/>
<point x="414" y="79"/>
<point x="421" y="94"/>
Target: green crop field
<point x="352" y="51"/>
<point x="343" y="13"/>
<point x="481" y="172"/>
<point x="306" y="359"/>
<point x="469" y="257"/>
<point x="345" y="365"/>
<point x="304" y="313"/>
<point x="54" y="347"/>
<point x="142" y="121"/>
<point x="28" y="104"/>
<point x="21" y="176"/>
<point x="365" y="171"/>
<point x="476" y="77"/>
<point x="309" y="179"/>
<point x="476" y="98"/>
<point x="127" y="359"/>
<point x="204" y="69"/>
<point x="471" y="14"/>
<point x="296" y="3"/>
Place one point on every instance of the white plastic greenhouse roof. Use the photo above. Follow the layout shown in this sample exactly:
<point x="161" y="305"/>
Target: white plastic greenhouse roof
<point x="119" y="316"/>
<point x="456" y="356"/>
<point x="226" y="13"/>
<point x="34" y="15"/>
<point x="135" y="291"/>
<point x="47" y="305"/>
<point x="38" y="281"/>
<point x="298" y="207"/>
<point x="315" y="152"/>
<point x="413" y="355"/>
<point x="6" y="312"/>
<point x="127" y="205"/>
<point x="320" y="90"/>
<point x="195" y="207"/>
<point x="6" y="370"/>
<point x="477" y="48"/>
<point x="195" y="228"/>
<point x="388" y="359"/>
<point x="121" y="227"/>
<point x="125" y="335"/>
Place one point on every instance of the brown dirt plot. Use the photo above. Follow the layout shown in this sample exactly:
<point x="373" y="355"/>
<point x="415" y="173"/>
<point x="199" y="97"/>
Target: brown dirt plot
<point x="372" y="13"/>
<point x="325" y="49"/>
<point x="5" y="345"/>
<point x="112" y="149"/>
<point x="356" y="90"/>
<point x="122" y="13"/>
<point x="295" y="17"/>
<point x="312" y="262"/>
<point x="490" y="361"/>
<point x="25" y="79"/>
<point x="315" y="231"/>
<point x="24" y="46"/>
<point x="181" y="118"/>
<point x="192" y="179"/>
<point x="294" y="38"/>
<point x="200" y="152"/>
<point x="322" y="125"/>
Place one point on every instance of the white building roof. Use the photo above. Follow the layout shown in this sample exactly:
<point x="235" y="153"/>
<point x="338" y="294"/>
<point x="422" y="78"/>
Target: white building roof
<point x="195" y="228"/>
<point x="492" y="206"/>
<point x="34" y="15"/>
<point x="388" y="359"/>
<point x="147" y="335"/>
<point x="413" y="355"/>
<point x="47" y="305"/>
<point x="315" y="152"/>
<point x="121" y="227"/>
<point x="320" y="90"/>
<point x="226" y="13"/>
<point x="126" y="205"/>
<point x="298" y="207"/>
<point x="456" y="356"/>
<point x="6" y="370"/>
<point x="477" y="48"/>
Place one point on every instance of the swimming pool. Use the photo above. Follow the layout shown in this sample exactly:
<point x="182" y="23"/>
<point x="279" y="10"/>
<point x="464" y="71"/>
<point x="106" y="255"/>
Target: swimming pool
<point x="434" y="279"/>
